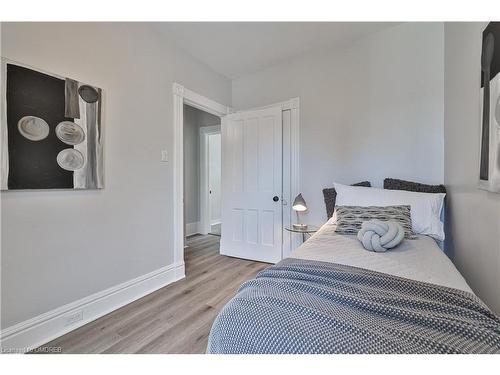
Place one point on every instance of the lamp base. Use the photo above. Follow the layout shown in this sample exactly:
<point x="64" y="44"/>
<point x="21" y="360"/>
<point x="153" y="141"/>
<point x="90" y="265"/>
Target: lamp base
<point x="299" y="226"/>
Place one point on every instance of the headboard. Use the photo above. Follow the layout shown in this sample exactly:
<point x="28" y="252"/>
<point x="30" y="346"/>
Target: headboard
<point x="396" y="184"/>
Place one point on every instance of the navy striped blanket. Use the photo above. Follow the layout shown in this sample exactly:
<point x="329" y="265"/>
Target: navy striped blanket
<point x="302" y="306"/>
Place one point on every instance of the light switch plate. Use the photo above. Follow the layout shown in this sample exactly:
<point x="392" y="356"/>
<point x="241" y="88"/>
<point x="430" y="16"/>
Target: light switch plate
<point x="164" y="155"/>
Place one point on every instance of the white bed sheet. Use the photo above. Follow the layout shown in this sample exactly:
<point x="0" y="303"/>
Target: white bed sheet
<point x="420" y="259"/>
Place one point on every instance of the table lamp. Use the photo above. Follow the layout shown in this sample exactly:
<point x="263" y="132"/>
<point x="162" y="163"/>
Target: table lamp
<point x="299" y="205"/>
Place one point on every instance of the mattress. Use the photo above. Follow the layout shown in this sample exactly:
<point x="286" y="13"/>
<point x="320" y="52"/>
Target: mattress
<point x="420" y="259"/>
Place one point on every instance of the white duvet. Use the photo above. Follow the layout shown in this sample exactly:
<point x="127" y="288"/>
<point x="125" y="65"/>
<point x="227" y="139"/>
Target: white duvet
<point x="419" y="259"/>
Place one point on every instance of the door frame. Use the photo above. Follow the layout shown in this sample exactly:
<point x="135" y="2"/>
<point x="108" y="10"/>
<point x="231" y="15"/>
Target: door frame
<point x="181" y="96"/>
<point x="205" y="214"/>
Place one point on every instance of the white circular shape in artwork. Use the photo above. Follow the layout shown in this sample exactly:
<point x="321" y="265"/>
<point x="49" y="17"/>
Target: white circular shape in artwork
<point x="33" y="128"/>
<point x="70" y="133"/>
<point x="70" y="159"/>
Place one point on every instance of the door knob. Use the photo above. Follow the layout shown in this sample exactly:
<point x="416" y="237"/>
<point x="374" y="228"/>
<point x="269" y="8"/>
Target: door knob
<point x="276" y="198"/>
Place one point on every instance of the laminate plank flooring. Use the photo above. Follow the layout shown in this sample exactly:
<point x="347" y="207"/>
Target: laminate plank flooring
<point x="173" y="319"/>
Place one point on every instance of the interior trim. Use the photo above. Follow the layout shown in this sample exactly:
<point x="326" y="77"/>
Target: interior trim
<point x="182" y="95"/>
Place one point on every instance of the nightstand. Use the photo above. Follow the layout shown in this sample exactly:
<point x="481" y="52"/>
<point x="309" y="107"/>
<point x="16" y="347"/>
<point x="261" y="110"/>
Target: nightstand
<point x="306" y="231"/>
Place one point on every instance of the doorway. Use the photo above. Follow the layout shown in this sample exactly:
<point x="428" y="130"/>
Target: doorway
<point x="290" y="110"/>
<point x="181" y="96"/>
<point x="202" y="172"/>
<point x="210" y="181"/>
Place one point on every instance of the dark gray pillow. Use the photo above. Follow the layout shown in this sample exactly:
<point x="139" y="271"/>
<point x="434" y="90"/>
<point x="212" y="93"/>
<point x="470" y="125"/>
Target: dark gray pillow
<point x="350" y="218"/>
<point x="396" y="184"/>
<point x="330" y="195"/>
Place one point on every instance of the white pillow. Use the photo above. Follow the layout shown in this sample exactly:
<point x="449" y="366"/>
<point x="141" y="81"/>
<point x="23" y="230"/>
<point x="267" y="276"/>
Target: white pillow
<point x="425" y="207"/>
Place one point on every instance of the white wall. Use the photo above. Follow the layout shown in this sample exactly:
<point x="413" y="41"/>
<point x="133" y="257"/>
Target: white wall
<point x="125" y="230"/>
<point x="194" y="119"/>
<point x="473" y="214"/>
<point x="369" y="111"/>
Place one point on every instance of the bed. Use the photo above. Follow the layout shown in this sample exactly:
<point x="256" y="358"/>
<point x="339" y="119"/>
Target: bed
<point x="420" y="259"/>
<point x="333" y="296"/>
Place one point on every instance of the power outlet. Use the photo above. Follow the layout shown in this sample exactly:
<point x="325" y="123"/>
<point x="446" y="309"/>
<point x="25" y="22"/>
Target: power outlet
<point x="73" y="318"/>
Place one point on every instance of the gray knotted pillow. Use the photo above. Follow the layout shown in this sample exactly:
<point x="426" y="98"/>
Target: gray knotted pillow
<point x="379" y="236"/>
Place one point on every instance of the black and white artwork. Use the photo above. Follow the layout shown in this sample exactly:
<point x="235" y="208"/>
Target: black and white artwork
<point x="489" y="158"/>
<point x="51" y="131"/>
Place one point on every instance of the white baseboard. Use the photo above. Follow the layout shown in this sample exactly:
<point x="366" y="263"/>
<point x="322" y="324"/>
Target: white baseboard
<point x="193" y="228"/>
<point x="43" y="328"/>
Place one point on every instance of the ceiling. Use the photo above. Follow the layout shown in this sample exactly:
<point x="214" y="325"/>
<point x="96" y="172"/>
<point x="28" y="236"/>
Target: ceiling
<point x="235" y="49"/>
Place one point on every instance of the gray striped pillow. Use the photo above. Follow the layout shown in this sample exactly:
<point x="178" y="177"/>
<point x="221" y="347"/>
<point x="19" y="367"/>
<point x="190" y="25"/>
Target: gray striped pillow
<point x="350" y="218"/>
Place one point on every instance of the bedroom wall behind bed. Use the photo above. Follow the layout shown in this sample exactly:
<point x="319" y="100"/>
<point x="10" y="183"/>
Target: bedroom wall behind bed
<point x="369" y="110"/>
<point x="473" y="215"/>
<point x="60" y="246"/>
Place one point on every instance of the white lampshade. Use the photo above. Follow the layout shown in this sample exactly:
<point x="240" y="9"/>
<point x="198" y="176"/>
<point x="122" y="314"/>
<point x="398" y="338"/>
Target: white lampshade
<point x="299" y="203"/>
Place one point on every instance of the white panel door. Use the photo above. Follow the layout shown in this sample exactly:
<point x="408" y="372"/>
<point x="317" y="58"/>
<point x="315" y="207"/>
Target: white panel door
<point x="252" y="185"/>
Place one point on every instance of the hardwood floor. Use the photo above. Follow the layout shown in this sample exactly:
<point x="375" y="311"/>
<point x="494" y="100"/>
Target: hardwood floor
<point x="174" y="319"/>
